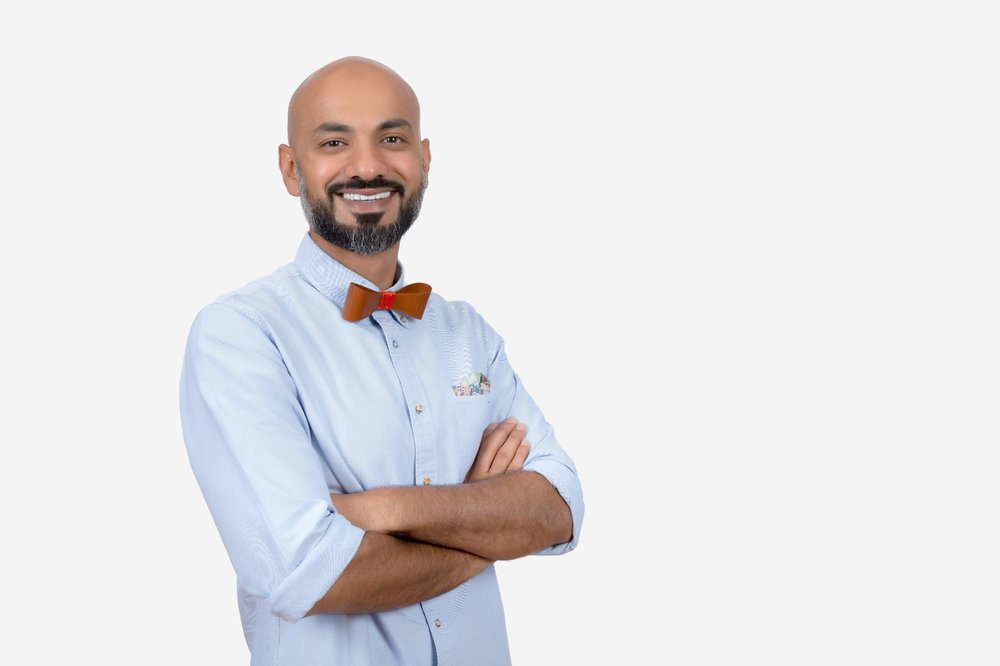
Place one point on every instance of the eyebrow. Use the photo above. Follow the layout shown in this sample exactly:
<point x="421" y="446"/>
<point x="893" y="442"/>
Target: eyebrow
<point x="392" y="123"/>
<point x="331" y="127"/>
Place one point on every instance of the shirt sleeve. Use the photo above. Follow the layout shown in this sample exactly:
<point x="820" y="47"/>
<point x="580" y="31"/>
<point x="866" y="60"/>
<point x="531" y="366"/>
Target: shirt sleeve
<point x="250" y="448"/>
<point x="546" y="457"/>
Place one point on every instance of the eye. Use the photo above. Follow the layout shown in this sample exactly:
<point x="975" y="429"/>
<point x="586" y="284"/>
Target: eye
<point x="393" y="139"/>
<point x="333" y="143"/>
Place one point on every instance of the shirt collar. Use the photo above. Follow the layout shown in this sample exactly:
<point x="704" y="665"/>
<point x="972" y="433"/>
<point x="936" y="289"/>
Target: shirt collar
<point x="330" y="277"/>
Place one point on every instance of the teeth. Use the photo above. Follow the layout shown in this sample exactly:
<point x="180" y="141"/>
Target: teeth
<point x="350" y="196"/>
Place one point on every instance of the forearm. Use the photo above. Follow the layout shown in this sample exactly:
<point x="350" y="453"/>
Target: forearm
<point x="499" y="518"/>
<point x="388" y="573"/>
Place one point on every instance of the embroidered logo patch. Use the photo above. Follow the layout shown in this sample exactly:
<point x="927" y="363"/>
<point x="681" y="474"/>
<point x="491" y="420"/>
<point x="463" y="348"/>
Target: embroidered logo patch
<point x="474" y="383"/>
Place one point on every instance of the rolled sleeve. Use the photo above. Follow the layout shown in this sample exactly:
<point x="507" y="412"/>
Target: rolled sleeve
<point x="303" y="586"/>
<point x="546" y="456"/>
<point x="251" y="450"/>
<point x="565" y="481"/>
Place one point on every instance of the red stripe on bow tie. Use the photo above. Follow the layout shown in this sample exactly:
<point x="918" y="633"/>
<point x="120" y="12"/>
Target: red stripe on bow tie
<point x="387" y="298"/>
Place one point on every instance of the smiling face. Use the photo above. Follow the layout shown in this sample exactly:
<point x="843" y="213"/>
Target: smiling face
<point x="355" y="157"/>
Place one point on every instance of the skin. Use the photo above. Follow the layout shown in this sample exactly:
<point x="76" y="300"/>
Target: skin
<point x="356" y="118"/>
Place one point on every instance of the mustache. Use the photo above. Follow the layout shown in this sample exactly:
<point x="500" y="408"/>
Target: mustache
<point x="362" y="184"/>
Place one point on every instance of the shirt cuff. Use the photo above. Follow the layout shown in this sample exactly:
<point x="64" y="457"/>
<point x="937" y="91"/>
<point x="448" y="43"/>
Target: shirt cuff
<point x="310" y="580"/>
<point x="565" y="481"/>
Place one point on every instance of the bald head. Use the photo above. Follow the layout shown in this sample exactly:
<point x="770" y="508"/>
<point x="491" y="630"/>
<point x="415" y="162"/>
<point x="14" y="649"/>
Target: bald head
<point x="348" y="83"/>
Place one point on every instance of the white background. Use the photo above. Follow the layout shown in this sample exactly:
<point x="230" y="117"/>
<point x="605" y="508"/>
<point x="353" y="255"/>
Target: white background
<point x="766" y="239"/>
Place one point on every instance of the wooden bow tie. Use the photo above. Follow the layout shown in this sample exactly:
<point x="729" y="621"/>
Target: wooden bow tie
<point x="362" y="301"/>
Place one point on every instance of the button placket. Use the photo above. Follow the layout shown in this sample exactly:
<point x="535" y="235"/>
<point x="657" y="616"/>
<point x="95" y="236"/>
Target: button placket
<point x="400" y="352"/>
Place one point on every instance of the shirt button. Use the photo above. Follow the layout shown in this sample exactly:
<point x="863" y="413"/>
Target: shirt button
<point x="427" y="480"/>
<point x="403" y="318"/>
<point x="419" y="409"/>
<point x="437" y="623"/>
<point x="395" y="343"/>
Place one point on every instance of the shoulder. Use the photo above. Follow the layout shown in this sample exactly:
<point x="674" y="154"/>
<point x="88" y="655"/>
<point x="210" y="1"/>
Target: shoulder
<point x="265" y="292"/>
<point x="460" y="317"/>
<point x="255" y="302"/>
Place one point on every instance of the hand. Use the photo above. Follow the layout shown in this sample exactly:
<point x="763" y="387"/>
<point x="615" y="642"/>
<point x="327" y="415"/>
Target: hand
<point x="502" y="449"/>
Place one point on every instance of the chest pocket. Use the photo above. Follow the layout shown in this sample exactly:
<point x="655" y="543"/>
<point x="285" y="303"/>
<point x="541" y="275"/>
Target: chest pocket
<point x="472" y="414"/>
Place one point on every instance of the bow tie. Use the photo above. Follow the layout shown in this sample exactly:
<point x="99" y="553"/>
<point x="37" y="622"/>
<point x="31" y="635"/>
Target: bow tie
<point x="362" y="301"/>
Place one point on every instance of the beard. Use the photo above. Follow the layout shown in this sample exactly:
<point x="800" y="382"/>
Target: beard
<point x="366" y="237"/>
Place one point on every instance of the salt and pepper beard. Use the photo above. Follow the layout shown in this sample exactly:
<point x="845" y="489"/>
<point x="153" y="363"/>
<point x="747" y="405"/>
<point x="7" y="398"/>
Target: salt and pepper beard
<point x="366" y="237"/>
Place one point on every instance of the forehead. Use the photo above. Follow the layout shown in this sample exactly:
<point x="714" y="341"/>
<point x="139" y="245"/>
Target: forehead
<point x="360" y="98"/>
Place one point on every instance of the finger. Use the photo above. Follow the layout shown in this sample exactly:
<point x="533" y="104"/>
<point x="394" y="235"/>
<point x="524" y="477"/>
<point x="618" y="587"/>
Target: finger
<point x="519" y="457"/>
<point x="493" y="439"/>
<point x="505" y="453"/>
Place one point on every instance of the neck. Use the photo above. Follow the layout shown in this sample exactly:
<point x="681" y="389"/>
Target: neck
<point x="380" y="268"/>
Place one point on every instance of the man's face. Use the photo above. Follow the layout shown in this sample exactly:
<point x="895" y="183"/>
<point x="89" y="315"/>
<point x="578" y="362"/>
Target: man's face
<point x="357" y="161"/>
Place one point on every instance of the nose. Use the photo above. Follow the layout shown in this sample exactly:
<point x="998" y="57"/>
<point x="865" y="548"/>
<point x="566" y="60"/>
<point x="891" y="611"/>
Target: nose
<point x="365" y="162"/>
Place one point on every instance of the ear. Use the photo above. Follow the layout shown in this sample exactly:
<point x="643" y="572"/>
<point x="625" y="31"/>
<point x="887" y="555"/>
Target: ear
<point x="289" y="169"/>
<point x="425" y="152"/>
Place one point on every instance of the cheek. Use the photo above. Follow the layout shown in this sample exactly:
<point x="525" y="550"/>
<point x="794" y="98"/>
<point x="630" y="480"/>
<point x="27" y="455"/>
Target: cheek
<point x="410" y="171"/>
<point x="318" y="175"/>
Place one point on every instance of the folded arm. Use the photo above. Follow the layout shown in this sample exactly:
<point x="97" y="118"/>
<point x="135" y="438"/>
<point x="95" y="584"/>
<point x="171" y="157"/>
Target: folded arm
<point x="501" y="518"/>
<point x="500" y="513"/>
<point x="396" y="567"/>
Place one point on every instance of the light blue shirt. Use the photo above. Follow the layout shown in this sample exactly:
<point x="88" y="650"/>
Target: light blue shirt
<point x="283" y="402"/>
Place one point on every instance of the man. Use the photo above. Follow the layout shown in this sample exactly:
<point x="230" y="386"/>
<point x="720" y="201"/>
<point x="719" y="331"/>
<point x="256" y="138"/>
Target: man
<point x="366" y="467"/>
